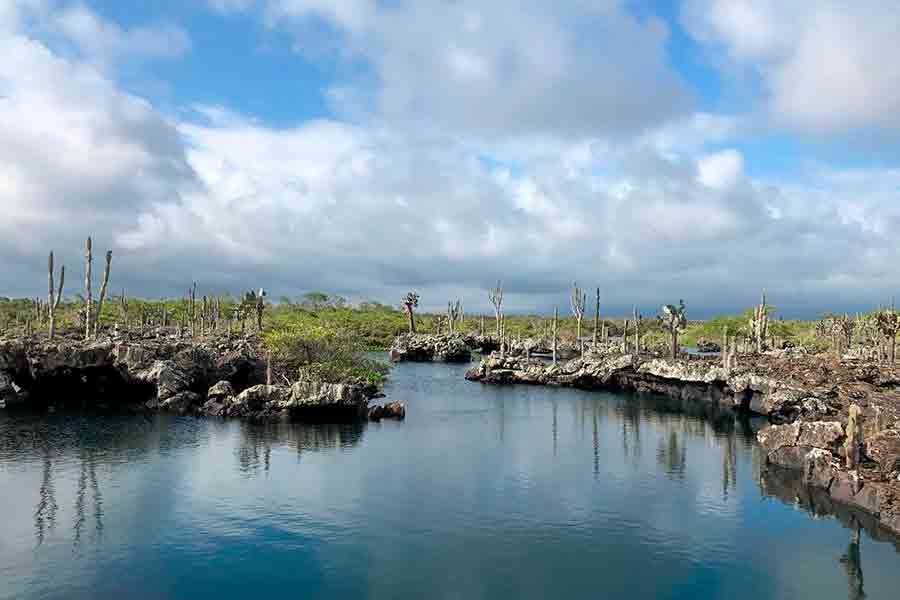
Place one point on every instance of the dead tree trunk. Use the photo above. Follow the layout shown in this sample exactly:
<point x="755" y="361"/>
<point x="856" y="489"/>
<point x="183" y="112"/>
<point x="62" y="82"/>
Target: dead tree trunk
<point x="496" y="297"/>
<point x="579" y="299"/>
<point x="53" y="302"/>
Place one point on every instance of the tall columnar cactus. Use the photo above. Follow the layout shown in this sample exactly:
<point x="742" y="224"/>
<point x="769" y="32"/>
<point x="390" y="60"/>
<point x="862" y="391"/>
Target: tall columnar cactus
<point x="496" y="297"/>
<point x="759" y="324"/>
<point x="103" y="288"/>
<point x="259" y="308"/>
<point x="579" y="301"/>
<point x="89" y="300"/>
<point x="637" y="330"/>
<point x="674" y="321"/>
<point x="853" y="436"/>
<point x="410" y="303"/>
<point x="596" y="317"/>
<point x="454" y="314"/>
<point x="555" y="333"/>
<point x="54" y="300"/>
<point x="123" y="308"/>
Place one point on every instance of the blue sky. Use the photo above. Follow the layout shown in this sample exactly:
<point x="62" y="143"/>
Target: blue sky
<point x="687" y="148"/>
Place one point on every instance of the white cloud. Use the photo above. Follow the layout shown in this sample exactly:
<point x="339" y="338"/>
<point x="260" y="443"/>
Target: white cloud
<point x="720" y="171"/>
<point x="371" y="208"/>
<point x="105" y="42"/>
<point x="498" y="68"/>
<point x="822" y="62"/>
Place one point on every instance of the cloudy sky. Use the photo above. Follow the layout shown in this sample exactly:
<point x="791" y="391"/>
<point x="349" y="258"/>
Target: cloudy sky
<point x="696" y="149"/>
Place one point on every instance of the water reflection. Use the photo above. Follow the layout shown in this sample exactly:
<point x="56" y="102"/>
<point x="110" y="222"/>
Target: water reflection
<point x="254" y="450"/>
<point x="530" y="478"/>
<point x="45" y="514"/>
<point x="852" y="562"/>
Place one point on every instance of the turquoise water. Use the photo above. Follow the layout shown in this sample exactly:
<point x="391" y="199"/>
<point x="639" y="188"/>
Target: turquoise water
<point x="482" y="492"/>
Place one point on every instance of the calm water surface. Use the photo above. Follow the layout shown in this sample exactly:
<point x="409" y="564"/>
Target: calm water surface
<point x="482" y="493"/>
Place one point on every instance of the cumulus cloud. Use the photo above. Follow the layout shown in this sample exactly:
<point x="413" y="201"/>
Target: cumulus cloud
<point x="370" y="208"/>
<point x="721" y="170"/>
<point x="106" y="42"/>
<point x="821" y="62"/>
<point x="499" y="68"/>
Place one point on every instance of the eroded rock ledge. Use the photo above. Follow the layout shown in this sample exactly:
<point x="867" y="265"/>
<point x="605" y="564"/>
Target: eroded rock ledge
<point x="217" y="377"/>
<point x="806" y="399"/>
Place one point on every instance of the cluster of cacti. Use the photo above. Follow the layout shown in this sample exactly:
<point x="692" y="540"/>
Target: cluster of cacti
<point x="888" y="325"/>
<point x="674" y="321"/>
<point x="759" y="324"/>
<point x="410" y="303"/>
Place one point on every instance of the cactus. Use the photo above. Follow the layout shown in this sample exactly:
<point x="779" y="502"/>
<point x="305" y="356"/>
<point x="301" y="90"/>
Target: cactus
<point x="759" y="324"/>
<point x="579" y="300"/>
<point x="555" y="332"/>
<point x="888" y="324"/>
<point x="637" y="330"/>
<point x="88" y="302"/>
<point x="854" y="436"/>
<point x="454" y="314"/>
<point x="674" y="321"/>
<point x="596" y="317"/>
<point x="410" y="302"/>
<point x="53" y="301"/>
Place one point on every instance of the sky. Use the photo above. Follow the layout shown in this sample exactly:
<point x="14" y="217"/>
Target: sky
<point x="695" y="149"/>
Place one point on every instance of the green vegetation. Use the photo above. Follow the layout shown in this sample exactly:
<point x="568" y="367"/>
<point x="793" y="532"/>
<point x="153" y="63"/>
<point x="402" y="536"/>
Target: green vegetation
<point x="327" y="333"/>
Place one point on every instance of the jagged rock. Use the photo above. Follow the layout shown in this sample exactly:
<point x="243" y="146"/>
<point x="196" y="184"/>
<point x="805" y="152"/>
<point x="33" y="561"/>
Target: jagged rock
<point x="217" y="407"/>
<point x="395" y="410"/>
<point x="220" y="390"/>
<point x="168" y="378"/>
<point x="792" y="457"/>
<point x="376" y="413"/>
<point x="884" y="449"/>
<point x="260" y="397"/>
<point x="821" y="434"/>
<point x="420" y="347"/>
<point x="774" y="437"/>
<point x="182" y="403"/>
<point x="819" y="467"/>
<point x="10" y="393"/>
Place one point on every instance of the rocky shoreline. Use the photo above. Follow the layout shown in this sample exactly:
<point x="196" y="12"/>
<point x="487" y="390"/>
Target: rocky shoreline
<point x="216" y="376"/>
<point x="807" y="399"/>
